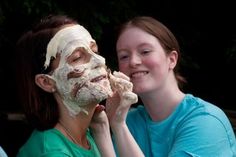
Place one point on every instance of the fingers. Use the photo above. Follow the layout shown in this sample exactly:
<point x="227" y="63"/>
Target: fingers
<point x="129" y="98"/>
<point x="118" y="104"/>
<point x="99" y="115"/>
<point x="99" y="109"/>
<point x="121" y="75"/>
<point x="120" y="82"/>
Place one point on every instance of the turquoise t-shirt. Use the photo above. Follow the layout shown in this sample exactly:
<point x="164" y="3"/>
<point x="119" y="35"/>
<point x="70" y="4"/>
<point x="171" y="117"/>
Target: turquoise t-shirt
<point x="52" y="143"/>
<point x="2" y="152"/>
<point x="195" y="129"/>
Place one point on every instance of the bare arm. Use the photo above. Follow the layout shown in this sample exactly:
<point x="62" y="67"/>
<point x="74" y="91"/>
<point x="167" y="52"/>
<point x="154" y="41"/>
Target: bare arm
<point x="101" y="132"/>
<point x="117" y="108"/>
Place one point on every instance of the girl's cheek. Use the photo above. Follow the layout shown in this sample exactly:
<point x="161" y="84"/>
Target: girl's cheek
<point x="122" y="67"/>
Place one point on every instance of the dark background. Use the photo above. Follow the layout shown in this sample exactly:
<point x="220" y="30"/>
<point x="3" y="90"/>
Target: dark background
<point x="205" y="30"/>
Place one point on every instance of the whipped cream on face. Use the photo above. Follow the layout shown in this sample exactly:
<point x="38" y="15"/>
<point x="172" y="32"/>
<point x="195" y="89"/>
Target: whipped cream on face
<point x="80" y="84"/>
<point x="64" y="36"/>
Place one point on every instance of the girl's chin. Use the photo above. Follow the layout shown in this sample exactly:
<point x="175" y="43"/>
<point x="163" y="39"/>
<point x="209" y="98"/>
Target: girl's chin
<point x="139" y="90"/>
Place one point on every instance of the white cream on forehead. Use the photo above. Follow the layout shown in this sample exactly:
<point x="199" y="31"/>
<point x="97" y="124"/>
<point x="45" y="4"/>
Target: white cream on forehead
<point x="65" y="42"/>
<point x="65" y="36"/>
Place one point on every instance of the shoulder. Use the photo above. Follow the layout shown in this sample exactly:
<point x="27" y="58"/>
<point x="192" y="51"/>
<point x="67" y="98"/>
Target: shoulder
<point x="202" y="117"/>
<point x="204" y="125"/>
<point x="48" y="136"/>
<point x="44" y="142"/>
<point x="195" y="105"/>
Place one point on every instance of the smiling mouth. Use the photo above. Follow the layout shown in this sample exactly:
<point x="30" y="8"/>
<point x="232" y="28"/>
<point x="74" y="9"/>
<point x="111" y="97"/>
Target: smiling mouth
<point x="138" y="74"/>
<point x="99" y="78"/>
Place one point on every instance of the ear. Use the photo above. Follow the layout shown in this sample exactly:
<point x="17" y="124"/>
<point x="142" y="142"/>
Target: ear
<point x="173" y="58"/>
<point x="45" y="82"/>
<point x="93" y="47"/>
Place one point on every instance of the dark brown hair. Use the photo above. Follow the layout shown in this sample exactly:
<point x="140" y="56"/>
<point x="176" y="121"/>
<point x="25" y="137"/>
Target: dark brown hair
<point x="40" y="107"/>
<point x="161" y="32"/>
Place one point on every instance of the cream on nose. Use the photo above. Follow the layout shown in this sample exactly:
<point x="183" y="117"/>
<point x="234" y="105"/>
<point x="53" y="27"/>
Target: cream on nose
<point x="97" y="60"/>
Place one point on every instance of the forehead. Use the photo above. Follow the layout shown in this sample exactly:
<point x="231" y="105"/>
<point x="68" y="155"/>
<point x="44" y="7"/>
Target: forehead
<point x="66" y="40"/>
<point x="134" y="36"/>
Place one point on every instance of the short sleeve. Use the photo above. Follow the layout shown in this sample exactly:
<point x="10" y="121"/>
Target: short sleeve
<point x="203" y="135"/>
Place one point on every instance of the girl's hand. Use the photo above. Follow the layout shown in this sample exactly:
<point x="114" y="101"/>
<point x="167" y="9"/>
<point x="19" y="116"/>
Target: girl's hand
<point x="99" y="120"/>
<point x="118" y="104"/>
<point x="101" y="132"/>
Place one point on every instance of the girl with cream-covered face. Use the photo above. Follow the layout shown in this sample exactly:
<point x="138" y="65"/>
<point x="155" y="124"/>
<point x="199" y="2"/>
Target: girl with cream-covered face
<point x="61" y="81"/>
<point x="64" y="79"/>
<point x="80" y="76"/>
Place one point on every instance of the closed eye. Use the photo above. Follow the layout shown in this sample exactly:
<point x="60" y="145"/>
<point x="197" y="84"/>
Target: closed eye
<point x="77" y="59"/>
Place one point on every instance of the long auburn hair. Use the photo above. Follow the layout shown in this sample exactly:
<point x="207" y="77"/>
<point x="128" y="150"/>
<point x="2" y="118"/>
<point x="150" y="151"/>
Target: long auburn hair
<point x="40" y="107"/>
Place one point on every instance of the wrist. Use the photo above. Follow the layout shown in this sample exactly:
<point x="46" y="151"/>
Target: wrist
<point x="118" y="127"/>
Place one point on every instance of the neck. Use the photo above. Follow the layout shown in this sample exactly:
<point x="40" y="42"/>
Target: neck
<point x="75" y="138"/>
<point x="74" y="127"/>
<point x="160" y="104"/>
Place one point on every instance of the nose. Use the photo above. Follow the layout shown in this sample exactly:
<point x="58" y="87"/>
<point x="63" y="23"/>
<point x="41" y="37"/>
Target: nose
<point x="135" y="60"/>
<point x="97" y="60"/>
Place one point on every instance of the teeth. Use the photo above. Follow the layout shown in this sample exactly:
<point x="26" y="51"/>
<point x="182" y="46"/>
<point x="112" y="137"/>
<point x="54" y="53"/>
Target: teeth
<point x="138" y="74"/>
